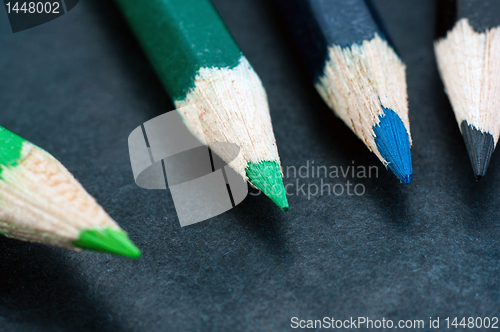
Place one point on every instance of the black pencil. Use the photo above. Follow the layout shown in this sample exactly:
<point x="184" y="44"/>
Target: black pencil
<point x="467" y="48"/>
<point x="357" y="72"/>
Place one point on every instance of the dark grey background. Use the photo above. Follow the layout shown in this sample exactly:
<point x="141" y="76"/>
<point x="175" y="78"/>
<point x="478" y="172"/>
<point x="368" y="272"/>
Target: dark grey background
<point x="78" y="85"/>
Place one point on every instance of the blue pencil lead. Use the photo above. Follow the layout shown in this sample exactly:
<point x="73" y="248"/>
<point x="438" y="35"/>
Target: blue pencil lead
<point x="393" y="144"/>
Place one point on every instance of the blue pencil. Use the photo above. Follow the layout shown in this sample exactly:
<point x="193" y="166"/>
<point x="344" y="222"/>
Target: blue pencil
<point x="357" y="72"/>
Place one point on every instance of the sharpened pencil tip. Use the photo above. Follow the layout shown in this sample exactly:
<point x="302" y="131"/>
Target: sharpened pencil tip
<point x="393" y="144"/>
<point x="266" y="176"/>
<point x="480" y="146"/>
<point x="108" y="240"/>
<point x="407" y="179"/>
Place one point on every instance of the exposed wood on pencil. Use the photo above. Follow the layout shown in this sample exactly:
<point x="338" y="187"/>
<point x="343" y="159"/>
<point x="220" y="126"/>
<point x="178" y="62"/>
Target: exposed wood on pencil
<point x="40" y="201"/>
<point x="468" y="58"/>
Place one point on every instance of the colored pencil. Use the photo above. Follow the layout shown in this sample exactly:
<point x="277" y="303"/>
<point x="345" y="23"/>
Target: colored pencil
<point x="40" y="201"/>
<point x="210" y="81"/>
<point x="467" y="48"/>
<point x="357" y="72"/>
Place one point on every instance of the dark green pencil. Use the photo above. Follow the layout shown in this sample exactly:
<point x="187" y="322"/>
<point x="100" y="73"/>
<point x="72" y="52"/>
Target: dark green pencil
<point x="213" y="86"/>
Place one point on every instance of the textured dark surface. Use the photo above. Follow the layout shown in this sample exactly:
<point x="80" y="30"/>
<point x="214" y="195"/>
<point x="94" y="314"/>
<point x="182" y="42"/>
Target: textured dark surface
<point x="78" y="86"/>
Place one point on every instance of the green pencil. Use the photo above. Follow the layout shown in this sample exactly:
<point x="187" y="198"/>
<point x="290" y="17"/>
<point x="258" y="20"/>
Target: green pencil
<point x="40" y="201"/>
<point x="213" y="86"/>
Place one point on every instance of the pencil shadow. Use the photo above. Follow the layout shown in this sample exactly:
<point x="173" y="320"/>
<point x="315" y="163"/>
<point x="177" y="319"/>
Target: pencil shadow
<point x="479" y="200"/>
<point x="392" y="200"/>
<point x="259" y="215"/>
<point x="37" y="286"/>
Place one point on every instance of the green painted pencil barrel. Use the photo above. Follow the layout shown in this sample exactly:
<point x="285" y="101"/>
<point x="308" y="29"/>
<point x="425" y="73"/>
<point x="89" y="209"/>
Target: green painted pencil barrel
<point x="180" y="37"/>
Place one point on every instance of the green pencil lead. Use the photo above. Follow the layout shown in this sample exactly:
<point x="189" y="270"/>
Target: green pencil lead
<point x="266" y="176"/>
<point x="109" y="240"/>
